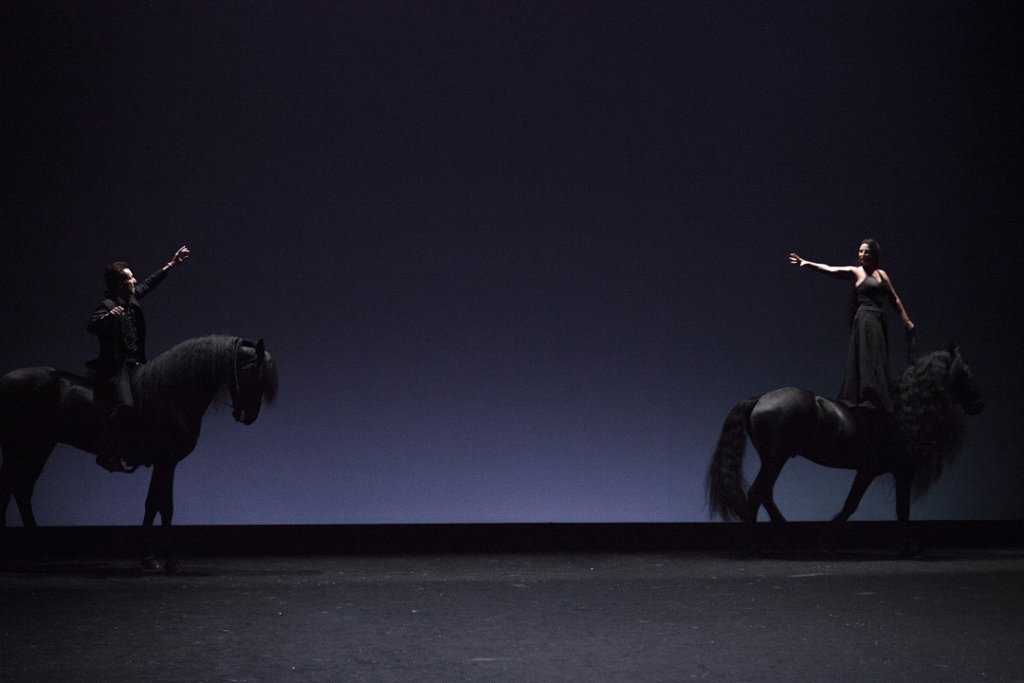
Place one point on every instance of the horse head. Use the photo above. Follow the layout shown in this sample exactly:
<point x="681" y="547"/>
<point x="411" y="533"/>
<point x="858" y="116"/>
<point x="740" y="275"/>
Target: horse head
<point x="962" y="385"/>
<point x="255" y="378"/>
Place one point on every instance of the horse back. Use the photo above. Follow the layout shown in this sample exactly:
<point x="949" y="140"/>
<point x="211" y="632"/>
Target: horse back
<point x="43" y="404"/>
<point x="83" y="417"/>
<point x="790" y="421"/>
<point x="27" y="394"/>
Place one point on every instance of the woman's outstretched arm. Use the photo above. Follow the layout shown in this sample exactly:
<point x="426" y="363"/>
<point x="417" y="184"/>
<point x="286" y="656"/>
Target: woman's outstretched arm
<point x="844" y="272"/>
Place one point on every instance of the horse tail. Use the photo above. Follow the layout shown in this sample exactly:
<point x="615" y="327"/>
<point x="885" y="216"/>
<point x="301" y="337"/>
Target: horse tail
<point x="725" y="487"/>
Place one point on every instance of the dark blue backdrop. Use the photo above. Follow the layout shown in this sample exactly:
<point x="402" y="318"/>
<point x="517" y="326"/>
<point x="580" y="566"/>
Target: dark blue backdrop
<point x="516" y="261"/>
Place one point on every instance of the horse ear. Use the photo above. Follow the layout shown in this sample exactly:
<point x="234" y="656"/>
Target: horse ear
<point x="261" y="350"/>
<point x="954" y="350"/>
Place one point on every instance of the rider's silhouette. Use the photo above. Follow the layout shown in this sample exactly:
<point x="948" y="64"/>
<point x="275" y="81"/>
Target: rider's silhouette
<point x="120" y="326"/>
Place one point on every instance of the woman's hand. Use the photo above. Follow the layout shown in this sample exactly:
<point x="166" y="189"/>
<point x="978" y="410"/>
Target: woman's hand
<point x="796" y="260"/>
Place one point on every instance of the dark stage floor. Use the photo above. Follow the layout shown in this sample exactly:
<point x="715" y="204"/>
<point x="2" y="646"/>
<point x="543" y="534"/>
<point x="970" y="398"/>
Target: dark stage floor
<point x="642" y="616"/>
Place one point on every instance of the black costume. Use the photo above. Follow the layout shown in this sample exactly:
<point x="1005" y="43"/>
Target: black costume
<point x="122" y="344"/>
<point x="866" y="382"/>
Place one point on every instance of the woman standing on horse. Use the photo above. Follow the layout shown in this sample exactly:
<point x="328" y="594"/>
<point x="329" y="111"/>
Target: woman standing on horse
<point x="866" y="380"/>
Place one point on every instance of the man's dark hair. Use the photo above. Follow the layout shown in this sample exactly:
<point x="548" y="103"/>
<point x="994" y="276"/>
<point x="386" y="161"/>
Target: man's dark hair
<point x="113" y="276"/>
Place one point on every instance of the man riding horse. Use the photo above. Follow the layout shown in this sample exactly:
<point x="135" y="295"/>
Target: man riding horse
<point x="120" y="326"/>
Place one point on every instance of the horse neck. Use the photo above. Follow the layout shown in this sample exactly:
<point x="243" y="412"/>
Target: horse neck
<point x="931" y="422"/>
<point x="928" y="380"/>
<point x="191" y="374"/>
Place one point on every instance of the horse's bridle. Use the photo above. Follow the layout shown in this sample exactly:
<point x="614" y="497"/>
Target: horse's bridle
<point x="246" y="409"/>
<point x="236" y="384"/>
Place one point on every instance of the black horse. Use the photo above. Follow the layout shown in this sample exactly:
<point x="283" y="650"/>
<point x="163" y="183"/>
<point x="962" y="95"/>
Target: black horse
<point x="40" y="407"/>
<point x="914" y="444"/>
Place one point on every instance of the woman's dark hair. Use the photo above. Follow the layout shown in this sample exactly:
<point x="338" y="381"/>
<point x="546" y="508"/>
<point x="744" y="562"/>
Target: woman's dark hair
<point x="876" y="249"/>
<point x="113" y="275"/>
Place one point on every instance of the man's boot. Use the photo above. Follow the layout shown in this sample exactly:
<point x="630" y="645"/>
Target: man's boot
<point x="115" y="445"/>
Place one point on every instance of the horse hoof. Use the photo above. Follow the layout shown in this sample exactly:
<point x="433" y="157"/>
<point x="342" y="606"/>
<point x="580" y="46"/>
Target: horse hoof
<point x="756" y="550"/>
<point x="150" y="563"/>
<point x="911" y="551"/>
<point x="173" y="567"/>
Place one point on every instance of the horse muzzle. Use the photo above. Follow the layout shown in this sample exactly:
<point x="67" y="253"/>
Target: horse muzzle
<point x="244" y="416"/>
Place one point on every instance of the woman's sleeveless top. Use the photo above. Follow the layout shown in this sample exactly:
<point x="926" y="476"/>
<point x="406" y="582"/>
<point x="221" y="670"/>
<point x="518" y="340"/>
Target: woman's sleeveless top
<point x="871" y="293"/>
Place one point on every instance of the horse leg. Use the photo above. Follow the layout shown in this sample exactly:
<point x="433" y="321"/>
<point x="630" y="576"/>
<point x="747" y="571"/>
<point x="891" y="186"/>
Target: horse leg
<point x="762" y="491"/>
<point x="24" y="500"/>
<point x="853" y="498"/>
<point x="831" y="534"/>
<point x="904" y="543"/>
<point x="770" y="507"/>
<point x="904" y="479"/>
<point x="21" y="468"/>
<point x="160" y="499"/>
<point x="149" y="560"/>
<point x="22" y="465"/>
<point x="6" y="490"/>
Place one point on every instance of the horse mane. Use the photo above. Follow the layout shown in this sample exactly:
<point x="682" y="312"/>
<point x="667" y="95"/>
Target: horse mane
<point x="268" y="378"/>
<point x="208" y="357"/>
<point x="931" y="422"/>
